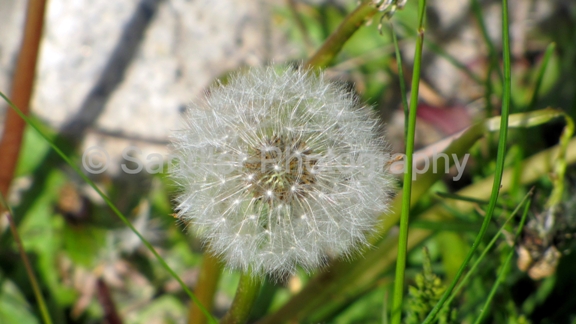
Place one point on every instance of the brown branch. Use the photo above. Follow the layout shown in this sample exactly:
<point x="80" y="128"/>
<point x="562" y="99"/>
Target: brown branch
<point x="22" y="84"/>
<point x="110" y="313"/>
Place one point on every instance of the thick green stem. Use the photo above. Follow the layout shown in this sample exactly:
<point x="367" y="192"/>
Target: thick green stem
<point x="246" y="294"/>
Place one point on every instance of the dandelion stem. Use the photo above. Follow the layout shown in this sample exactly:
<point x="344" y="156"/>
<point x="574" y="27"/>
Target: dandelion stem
<point x="246" y="294"/>
<point x="407" y="185"/>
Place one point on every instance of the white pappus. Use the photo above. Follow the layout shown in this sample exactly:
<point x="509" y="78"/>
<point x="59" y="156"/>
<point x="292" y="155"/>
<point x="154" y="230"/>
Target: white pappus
<point x="280" y="168"/>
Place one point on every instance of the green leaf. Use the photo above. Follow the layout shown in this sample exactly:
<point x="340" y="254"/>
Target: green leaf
<point x="14" y="309"/>
<point x="82" y="243"/>
<point x="34" y="148"/>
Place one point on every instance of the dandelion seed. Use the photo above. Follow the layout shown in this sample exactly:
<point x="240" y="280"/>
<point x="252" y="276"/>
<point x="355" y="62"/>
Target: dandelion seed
<point x="278" y="148"/>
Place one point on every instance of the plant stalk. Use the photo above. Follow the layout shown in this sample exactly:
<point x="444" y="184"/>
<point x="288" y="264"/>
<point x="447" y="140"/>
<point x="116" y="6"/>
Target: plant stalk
<point x="206" y="288"/>
<point x="338" y="38"/>
<point x="407" y="185"/>
<point x="506" y="95"/>
<point x="22" y="85"/>
<point x="29" y="271"/>
<point x="246" y="294"/>
<point x="504" y="270"/>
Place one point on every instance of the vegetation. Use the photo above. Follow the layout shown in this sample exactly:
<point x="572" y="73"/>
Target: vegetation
<point x="490" y="247"/>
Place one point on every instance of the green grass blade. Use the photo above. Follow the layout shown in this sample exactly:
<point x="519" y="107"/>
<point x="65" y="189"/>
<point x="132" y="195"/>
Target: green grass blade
<point x="499" y="163"/>
<point x="493" y="55"/>
<point x="401" y="79"/>
<point x="452" y="60"/>
<point x="487" y="249"/>
<point x="29" y="271"/>
<point x="463" y="198"/>
<point x="504" y="269"/>
<point x="547" y="55"/>
<point x="503" y="272"/>
<point x="445" y="225"/>
<point x="438" y="50"/>
<point x="111" y="205"/>
<point x="398" y="295"/>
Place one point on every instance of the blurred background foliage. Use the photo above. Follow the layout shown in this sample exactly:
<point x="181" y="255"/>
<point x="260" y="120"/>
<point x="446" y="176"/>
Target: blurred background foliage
<point x="86" y="260"/>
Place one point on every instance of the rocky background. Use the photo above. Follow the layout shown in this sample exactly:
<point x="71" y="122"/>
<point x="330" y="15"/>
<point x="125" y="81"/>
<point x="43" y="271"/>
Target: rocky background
<point x="125" y="70"/>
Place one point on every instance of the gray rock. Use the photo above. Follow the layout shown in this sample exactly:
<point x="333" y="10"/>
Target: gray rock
<point x="128" y="69"/>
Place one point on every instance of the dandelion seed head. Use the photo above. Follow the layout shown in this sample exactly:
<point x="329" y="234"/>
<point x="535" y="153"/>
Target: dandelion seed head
<point x="270" y="174"/>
